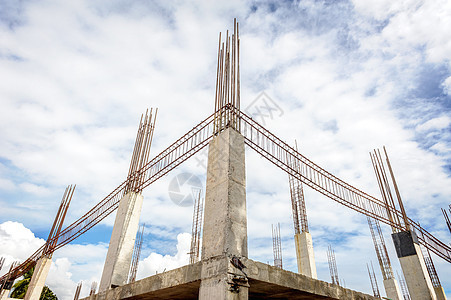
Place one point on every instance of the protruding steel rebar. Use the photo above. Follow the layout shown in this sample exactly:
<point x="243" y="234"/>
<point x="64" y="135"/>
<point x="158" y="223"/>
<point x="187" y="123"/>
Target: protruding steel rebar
<point x="381" y="249"/>
<point x="141" y="152"/>
<point x="373" y="281"/>
<point x="194" y="253"/>
<point x="332" y="265"/>
<point x="93" y="288"/>
<point x="445" y="215"/>
<point x="277" y="246"/>
<point x="430" y="267"/>
<point x="78" y="290"/>
<point x="2" y="261"/>
<point x="398" y="194"/>
<point x="52" y="239"/>
<point x="228" y="82"/>
<point x="136" y="255"/>
<point x="385" y="190"/>
<point x="297" y="201"/>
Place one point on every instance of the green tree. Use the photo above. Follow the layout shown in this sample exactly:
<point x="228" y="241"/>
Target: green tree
<point x="20" y="288"/>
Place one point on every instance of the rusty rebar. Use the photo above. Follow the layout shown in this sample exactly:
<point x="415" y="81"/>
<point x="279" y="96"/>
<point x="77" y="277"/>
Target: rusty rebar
<point x="373" y="280"/>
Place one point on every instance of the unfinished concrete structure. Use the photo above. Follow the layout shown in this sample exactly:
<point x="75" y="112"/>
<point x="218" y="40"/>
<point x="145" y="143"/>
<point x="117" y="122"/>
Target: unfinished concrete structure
<point x="225" y="271"/>
<point x="122" y="242"/>
<point x="404" y="238"/>
<point x="391" y="286"/>
<point x="120" y="251"/>
<point x="42" y="267"/>
<point x="37" y="282"/>
<point x="302" y="238"/>
<point x="413" y="266"/>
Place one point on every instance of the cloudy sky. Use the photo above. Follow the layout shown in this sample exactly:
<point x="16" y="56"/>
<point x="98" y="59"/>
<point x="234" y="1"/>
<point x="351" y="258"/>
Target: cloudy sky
<point x="346" y="77"/>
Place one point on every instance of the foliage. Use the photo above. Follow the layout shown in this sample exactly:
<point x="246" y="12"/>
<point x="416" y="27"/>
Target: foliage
<point x="20" y="288"/>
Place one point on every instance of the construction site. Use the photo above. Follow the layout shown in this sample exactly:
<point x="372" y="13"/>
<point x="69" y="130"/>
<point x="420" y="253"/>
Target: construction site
<point x="219" y="265"/>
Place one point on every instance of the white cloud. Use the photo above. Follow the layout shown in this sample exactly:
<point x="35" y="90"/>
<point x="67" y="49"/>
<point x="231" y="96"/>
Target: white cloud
<point x="435" y="124"/>
<point x="17" y="243"/>
<point x="156" y="262"/>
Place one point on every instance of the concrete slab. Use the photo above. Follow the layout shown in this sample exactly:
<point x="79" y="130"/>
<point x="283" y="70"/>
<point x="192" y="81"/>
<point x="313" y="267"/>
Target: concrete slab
<point x="265" y="281"/>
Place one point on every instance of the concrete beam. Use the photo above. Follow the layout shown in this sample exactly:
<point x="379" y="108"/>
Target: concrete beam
<point x="413" y="266"/>
<point x="37" y="282"/>
<point x="392" y="289"/>
<point x="304" y="254"/>
<point x="122" y="242"/>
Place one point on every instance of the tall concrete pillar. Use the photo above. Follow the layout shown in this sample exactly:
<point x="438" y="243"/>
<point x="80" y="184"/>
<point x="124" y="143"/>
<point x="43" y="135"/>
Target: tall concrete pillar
<point x="120" y="250"/>
<point x="304" y="254"/>
<point x="392" y="289"/>
<point x="225" y="219"/>
<point x="37" y="282"/>
<point x="413" y="266"/>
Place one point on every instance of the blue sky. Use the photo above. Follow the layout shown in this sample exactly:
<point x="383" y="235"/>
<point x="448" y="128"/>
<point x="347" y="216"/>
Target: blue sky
<point x="348" y="76"/>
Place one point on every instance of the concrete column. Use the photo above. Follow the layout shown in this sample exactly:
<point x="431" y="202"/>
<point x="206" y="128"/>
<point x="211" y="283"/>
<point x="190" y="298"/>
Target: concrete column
<point x="304" y="254"/>
<point x="225" y="219"/>
<point x="392" y="289"/>
<point x="4" y="294"/>
<point x="413" y="266"/>
<point x="440" y="293"/>
<point x="37" y="282"/>
<point x="122" y="242"/>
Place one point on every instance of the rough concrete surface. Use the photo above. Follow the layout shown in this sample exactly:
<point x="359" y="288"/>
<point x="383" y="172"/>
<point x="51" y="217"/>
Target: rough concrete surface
<point x="417" y="277"/>
<point x="265" y="281"/>
<point x="122" y="242"/>
<point x="304" y="254"/>
<point x="225" y="221"/>
<point x="38" y="279"/>
<point x="392" y="289"/>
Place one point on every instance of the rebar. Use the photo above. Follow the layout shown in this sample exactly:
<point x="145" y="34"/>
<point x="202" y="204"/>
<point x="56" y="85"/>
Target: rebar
<point x="136" y="255"/>
<point x="78" y="290"/>
<point x="227" y="93"/>
<point x="404" y="289"/>
<point x="2" y="261"/>
<point x="196" y="230"/>
<point x="141" y="152"/>
<point x="277" y="246"/>
<point x="333" y="270"/>
<point x="52" y="239"/>
<point x="297" y="201"/>
<point x="373" y="281"/>
<point x="430" y="267"/>
<point x="381" y="249"/>
<point x="445" y="215"/>
<point x="93" y="288"/>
